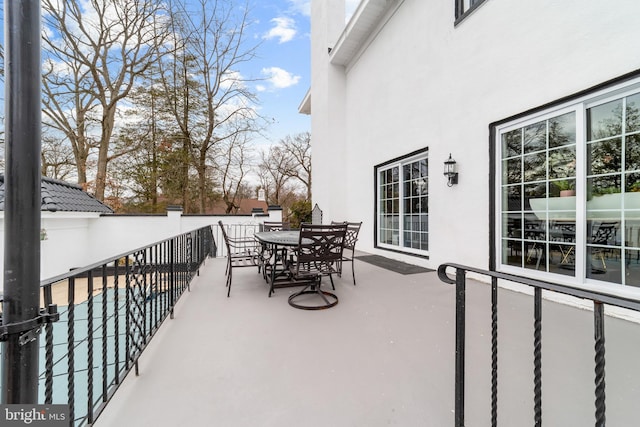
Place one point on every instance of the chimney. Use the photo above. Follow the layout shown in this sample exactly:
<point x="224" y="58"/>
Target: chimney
<point x="261" y="197"/>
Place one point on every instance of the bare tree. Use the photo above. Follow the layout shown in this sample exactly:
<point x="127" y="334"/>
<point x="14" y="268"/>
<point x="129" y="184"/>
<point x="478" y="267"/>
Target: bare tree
<point x="57" y="159"/>
<point x="69" y="106"/>
<point x="275" y="170"/>
<point x="107" y="45"/>
<point x="288" y="160"/>
<point x="210" y="100"/>
<point x="232" y="167"/>
<point x="298" y="149"/>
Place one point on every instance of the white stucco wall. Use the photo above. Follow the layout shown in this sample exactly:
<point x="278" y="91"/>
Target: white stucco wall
<point x="328" y="121"/>
<point x="421" y="82"/>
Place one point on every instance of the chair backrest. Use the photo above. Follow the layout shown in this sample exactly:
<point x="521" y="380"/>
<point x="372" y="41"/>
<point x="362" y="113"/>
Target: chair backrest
<point x="321" y="243"/>
<point x="351" y="237"/>
<point x="605" y="234"/>
<point x="224" y="235"/>
<point x="275" y="226"/>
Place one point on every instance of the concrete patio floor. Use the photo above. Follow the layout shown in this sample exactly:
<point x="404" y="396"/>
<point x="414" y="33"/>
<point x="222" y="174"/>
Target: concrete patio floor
<point x="383" y="356"/>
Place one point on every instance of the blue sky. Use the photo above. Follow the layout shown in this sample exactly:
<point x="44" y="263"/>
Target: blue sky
<point x="283" y="28"/>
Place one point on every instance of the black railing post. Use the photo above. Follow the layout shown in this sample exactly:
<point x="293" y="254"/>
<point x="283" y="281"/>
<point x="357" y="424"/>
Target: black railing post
<point x="494" y="352"/>
<point x="127" y="313"/>
<point x="48" y="382"/>
<point x="116" y="318"/>
<point x="105" y="333"/>
<point x="599" y="299"/>
<point x="172" y="275"/>
<point x="22" y="199"/>
<point x="71" y="364"/>
<point x="537" y="357"/>
<point x="598" y="317"/>
<point x="90" y="347"/>
<point x="460" y="346"/>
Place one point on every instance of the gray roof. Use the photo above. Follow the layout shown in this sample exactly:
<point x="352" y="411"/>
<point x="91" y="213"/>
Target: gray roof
<point x="61" y="196"/>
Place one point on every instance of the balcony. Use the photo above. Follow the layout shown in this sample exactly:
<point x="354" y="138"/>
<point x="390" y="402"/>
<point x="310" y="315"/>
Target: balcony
<point x="385" y="355"/>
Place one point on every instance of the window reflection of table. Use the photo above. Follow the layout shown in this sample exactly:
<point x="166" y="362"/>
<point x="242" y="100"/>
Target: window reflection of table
<point x="559" y="236"/>
<point x="277" y="243"/>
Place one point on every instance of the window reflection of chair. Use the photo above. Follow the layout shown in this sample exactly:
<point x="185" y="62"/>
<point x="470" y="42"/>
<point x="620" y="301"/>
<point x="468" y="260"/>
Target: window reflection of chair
<point x="534" y="250"/>
<point x="604" y="235"/>
<point x="566" y="252"/>
<point x="564" y="234"/>
<point x="318" y="253"/>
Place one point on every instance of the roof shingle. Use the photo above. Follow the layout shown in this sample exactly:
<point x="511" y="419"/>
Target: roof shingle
<point x="61" y="196"/>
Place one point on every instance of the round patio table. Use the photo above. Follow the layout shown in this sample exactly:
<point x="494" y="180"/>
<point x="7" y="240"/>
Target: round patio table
<point x="279" y="238"/>
<point x="276" y="243"/>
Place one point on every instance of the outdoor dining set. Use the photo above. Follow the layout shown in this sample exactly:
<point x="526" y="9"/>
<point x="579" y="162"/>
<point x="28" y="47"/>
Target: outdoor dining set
<point x="285" y="257"/>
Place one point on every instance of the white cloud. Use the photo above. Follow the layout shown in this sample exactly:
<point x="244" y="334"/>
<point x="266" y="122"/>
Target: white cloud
<point x="301" y="6"/>
<point x="284" y="30"/>
<point x="279" y="78"/>
<point x="231" y="79"/>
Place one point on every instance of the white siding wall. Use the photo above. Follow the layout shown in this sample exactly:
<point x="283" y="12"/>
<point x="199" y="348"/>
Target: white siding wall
<point x="421" y="82"/>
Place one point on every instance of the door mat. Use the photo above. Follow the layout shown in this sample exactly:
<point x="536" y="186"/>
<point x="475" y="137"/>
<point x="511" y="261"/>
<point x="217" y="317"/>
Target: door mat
<point x="393" y="265"/>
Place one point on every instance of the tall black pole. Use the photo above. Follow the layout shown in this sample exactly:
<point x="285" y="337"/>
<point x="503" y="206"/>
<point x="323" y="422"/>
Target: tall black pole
<point x="22" y="197"/>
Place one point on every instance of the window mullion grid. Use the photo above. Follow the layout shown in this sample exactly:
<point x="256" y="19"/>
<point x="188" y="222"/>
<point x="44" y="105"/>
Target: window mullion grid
<point x="623" y="213"/>
<point x="401" y="211"/>
<point x="547" y="222"/>
<point x="581" y="196"/>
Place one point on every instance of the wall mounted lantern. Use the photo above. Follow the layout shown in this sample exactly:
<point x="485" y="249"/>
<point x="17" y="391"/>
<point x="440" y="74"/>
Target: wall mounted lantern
<point x="451" y="171"/>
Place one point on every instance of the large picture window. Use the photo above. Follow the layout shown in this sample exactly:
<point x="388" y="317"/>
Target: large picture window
<point x="569" y="180"/>
<point x="403" y="204"/>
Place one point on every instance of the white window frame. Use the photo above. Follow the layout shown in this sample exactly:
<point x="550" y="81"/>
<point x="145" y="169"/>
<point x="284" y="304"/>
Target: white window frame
<point x="580" y="105"/>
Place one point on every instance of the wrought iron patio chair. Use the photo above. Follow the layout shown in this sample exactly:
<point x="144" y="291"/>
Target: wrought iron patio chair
<point x="241" y="252"/>
<point x="350" y="239"/>
<point x="318" y="253"/>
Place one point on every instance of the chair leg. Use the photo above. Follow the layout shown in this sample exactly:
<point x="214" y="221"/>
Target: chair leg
<point x="332" y="285"/>
<point x="353" y="272"/>
<point x="604" y="265"/>
<point x="229" y="282"/>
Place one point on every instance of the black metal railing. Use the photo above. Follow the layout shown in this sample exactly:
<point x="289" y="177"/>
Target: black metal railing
<point x="108" y="313"/>
<point x="599" y="301"/>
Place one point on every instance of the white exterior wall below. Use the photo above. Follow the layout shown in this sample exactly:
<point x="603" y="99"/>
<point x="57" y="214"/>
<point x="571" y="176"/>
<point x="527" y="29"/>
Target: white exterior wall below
<point x="421" y="82"/>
